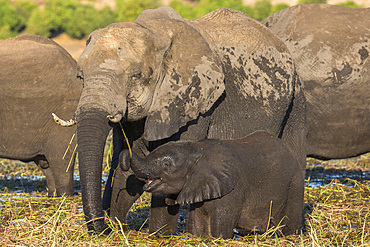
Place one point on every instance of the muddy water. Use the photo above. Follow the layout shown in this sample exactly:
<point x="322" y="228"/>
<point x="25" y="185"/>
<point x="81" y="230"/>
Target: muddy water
<point x="137" y="218"/>
<point x="317" y="176"/>
<point x="321" y="177"/>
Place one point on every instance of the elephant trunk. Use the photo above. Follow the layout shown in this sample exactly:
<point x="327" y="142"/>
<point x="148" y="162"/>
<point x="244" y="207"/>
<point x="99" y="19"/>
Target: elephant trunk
<point x="98" y="104"/>
<point x="92" y="131"/>
<point x="140" y="167"/>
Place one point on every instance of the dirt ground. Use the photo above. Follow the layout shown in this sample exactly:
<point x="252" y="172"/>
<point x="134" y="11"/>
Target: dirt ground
<point x="74" y="46"/>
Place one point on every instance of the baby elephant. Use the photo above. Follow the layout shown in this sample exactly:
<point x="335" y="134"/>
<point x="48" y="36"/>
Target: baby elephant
<point x="250" y="184"/>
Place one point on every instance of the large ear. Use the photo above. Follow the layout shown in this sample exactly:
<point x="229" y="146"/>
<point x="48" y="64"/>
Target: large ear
<point x="209" y="180"/>
<point x="191" y="83"/>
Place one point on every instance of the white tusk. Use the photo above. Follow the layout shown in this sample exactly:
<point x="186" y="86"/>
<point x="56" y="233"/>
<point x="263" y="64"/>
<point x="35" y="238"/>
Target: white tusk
<point x="62" y="122"/>
<point x="115" y="119"/>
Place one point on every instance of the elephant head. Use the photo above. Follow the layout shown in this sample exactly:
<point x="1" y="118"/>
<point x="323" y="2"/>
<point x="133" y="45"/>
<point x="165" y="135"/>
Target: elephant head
<point x="162" y="71"/>
<point x="185" y="171"/>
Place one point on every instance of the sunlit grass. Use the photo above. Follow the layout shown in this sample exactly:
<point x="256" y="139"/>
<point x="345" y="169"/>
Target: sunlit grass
<point x="337" y="214"/>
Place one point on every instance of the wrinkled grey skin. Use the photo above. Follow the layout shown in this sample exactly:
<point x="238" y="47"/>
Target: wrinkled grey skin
<point x="331" y="47"/>
<point x="222" y="76"/>
<point x="229" y="184"/>
<point x="38" y="77"/>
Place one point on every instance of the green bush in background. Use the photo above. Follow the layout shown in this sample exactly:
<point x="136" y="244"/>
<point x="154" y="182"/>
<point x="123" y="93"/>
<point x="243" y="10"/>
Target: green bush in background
<point x="128" y="10"/>
<point x="78" y="19"/>
<point x="311" y="1"/>
<point x="25" y="8"/>
<point x="87" y="19"/>
<point x="68" y="16"/>
<point x="11" y="22"/>
<point x="351" y="4"/>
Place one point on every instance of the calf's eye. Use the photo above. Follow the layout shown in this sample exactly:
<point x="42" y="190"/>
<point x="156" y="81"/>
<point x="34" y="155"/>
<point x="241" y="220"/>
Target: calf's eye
<point x="137" y="76"/>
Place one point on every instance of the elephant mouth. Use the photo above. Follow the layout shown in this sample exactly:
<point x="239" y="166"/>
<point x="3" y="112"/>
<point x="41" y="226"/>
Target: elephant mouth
<point x="151" y="184"/>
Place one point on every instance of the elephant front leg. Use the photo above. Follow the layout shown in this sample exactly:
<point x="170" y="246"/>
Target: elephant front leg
<point x="163" y="218"/>
<point x="59" y="179"/>
<point x="122" y="188"/>
<point x="199" y="221"/>
<point x="44" y="167"/>
<point x="223" y="223"/>
<point x="126" y="190"/>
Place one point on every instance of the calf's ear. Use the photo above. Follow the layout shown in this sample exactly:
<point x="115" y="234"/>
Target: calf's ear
<point x="210" y="180"/>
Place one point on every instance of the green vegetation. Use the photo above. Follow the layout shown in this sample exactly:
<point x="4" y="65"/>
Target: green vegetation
<point x="312" y="1"/>
<point x="350" y="4"/>
<point x="68" y="16"/>
<point x="11" y="21"/>
<point x="79" y="18"/>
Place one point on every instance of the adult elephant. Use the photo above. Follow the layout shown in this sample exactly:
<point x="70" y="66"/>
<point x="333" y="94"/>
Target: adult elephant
<point x="330" y="46"/>
<point x="165" y="78"/>
<point x="38" y="77"/>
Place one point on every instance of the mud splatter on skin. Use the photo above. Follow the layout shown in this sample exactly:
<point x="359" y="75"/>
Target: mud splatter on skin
<point x="264" y="76"/>
<point x="364" y="53"/>
<point x="340" y="76"/>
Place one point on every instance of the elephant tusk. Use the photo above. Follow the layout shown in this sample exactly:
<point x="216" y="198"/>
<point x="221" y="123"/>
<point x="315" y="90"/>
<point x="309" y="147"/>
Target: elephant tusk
<point x="62" y="122"/>
<point x="115" y="119"/>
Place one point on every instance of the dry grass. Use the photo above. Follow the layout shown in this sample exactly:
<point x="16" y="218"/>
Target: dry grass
<point x="336" y="215"/>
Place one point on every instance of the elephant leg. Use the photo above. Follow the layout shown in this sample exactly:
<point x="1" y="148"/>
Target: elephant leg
<point x="294" y="219"/>
<point x="126" y="190"/>
<point x="122" y="188"/>
<point x="163" y="218"/>
<point x="223" y="221"/>
<point x="118" y="145"/>
<point x="199" y="221"/>
<point x="63" y="175"/>
<point x="45" y="168"/>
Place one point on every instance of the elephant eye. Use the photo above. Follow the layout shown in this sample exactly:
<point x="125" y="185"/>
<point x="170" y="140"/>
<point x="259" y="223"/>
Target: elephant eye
<point x="166" y="162"/>
<point x="137" y="76"/>
<point x="80" y="76"/>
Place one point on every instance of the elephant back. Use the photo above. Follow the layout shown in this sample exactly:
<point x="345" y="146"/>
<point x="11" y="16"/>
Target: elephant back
<point x="317" y="35"/>
<point x="259" y="72"/>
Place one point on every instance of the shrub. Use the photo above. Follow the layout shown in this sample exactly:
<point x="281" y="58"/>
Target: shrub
<point x="25" y="8"/>
<point x="42" y="23"/>
<point x="86" y="19"/>
<point x="11" y="22"/>
<point x="278" y="7"/>
<point x="311" y="1"/>
<point x="184" y="9"/>
<point x="52" y="18"/>
<point x="128" y="10"/>
<point x="206" y="6"/>
<point x="351" y="4"/>
<point x="69" y="16"/>
<point x="262" y="9"/>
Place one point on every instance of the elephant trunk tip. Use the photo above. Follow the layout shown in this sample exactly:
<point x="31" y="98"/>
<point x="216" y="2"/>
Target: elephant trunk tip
<point x="62" y="122"/>
<point x="116" y="118"/>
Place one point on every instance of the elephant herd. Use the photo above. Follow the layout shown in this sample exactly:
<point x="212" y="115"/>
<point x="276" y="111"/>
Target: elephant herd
<point x="231" y="104"/>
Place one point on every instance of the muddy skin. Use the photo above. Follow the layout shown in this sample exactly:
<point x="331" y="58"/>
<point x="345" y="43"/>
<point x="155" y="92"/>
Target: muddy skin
<point x="37" y="78"/>
<point x="330" y="46"/>
<point x="222" y="76"/>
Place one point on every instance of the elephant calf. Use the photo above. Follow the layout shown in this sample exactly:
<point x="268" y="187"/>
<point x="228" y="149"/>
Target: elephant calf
<point x="250" y="184"/>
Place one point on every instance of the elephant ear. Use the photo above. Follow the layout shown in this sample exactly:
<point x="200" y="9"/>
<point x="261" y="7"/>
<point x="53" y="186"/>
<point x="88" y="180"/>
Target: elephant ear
<point x="191" y="83"/>
<point x="210" y="180"/>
